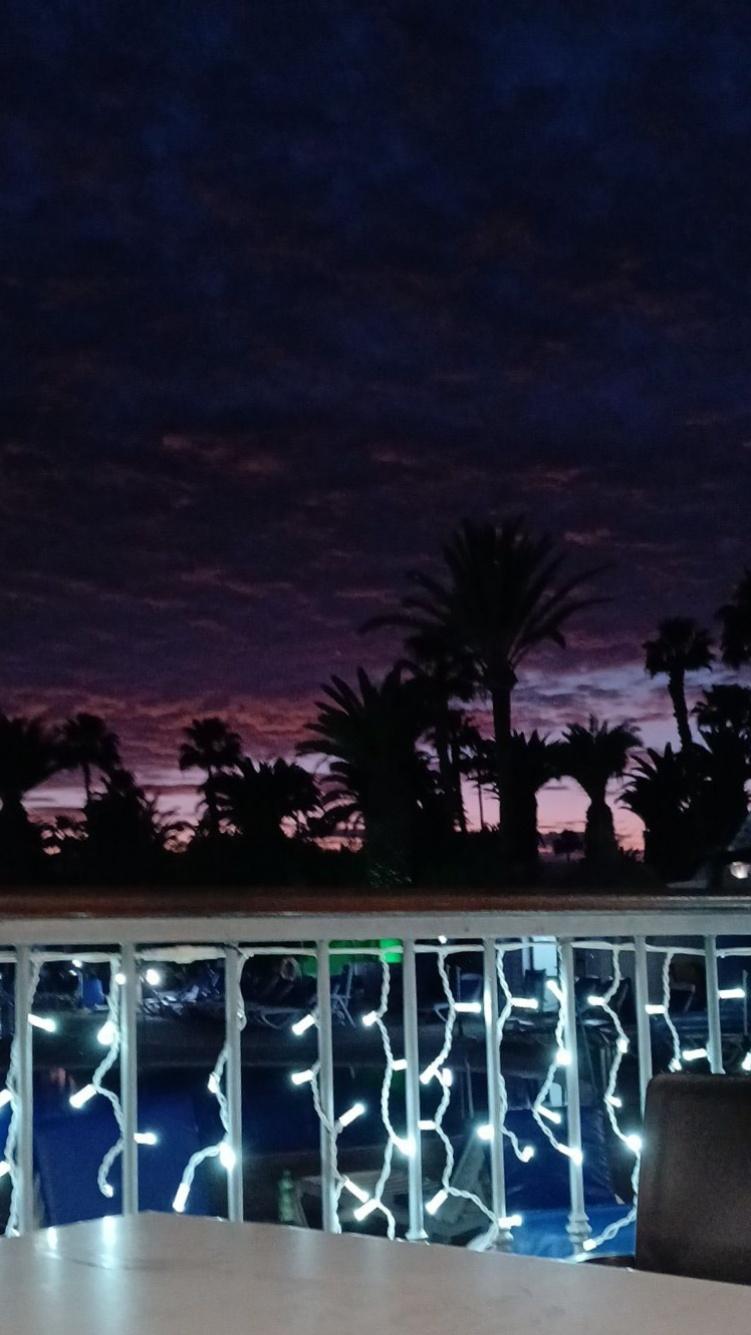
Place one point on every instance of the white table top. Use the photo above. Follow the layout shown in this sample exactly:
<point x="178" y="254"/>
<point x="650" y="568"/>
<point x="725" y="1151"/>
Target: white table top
<point x="164" y="1275"/>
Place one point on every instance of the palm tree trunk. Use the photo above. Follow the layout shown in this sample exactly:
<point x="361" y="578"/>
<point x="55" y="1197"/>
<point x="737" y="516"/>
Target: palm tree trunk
<point x="480" y="805"/>
<point x="446" y="772"/>
<point x="501" y="704"/>
<point x="600" y="845"/>
<point x="86" y="772"/>
<point x="677" y="690"/>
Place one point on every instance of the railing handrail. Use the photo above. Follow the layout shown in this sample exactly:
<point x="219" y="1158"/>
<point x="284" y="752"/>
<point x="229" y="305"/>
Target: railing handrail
<point x="208" y="914"/>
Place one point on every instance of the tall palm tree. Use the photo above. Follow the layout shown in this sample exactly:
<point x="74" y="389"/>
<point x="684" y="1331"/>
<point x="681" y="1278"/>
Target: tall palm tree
<point x="211" y="745"/>
<point x="441" y="681"/>
<point x="29" y="755"/>
<point x="504" y="595"/>
<point x="369" y="735"/>
<point x="592" y="756"/>
<point x="477" y="759"/>
<point x="735" y="616"/>
<point x="256" y="799"/>
<point x="86" y="743"/>
<point x="680" y="646"/>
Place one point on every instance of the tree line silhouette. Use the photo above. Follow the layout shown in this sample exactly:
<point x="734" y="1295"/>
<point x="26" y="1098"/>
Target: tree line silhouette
<point x="395" y="756"/>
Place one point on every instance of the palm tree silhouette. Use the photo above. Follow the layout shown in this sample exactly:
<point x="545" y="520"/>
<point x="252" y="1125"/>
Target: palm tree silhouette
<point x="680" y="646"/>
<point x="535" y="761"/>
<point x="257" y="799"/>
<point x="592" y="756"/>
<point x="503" y="596"/>
<point x="735" y="616"/>
<point x="662" y="791"/>
<point x="29" y="755"/>
<point x="211" y="745"/>
<point x="87" y="743"/>
<point x="369" y="735"/>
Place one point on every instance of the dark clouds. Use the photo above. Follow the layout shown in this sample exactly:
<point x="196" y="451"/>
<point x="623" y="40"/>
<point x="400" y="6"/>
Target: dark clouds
<point x="289" y="287"/>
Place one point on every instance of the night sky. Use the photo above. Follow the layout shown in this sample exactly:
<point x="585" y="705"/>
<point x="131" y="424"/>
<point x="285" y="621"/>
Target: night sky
<point x="289" y="288"/>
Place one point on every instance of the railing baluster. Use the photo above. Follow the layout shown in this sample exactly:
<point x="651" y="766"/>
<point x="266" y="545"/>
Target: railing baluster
<point x="326" y="1090"/>
<point x="578" y="1225"/>
<point x="714" y="1044"/>
<point x="493" y="1071"/>
<point x="233" y="1024"/>
<point x="643" y="1030"/>
<point x="129" y="1076"/>
<point x="416" y="1231"/>
<point x="24" y="1092"/>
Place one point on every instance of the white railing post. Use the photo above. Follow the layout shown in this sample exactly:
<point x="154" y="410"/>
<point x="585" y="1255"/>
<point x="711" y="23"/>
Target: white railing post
<point x="24" y="1093"/>
<point x="233" y="1017"/>
<point x="416" y="1231"/>
<point x="714" y="1044"/>
<point x="129" y="1076"/>
<point x="643" y="1030"/>
<point x="493" y="1072"/>
<point x="326" y="1090"/>
<point x="578" y="1225"/>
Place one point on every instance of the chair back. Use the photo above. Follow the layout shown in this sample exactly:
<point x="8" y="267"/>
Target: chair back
<point x="694" y="1210"/>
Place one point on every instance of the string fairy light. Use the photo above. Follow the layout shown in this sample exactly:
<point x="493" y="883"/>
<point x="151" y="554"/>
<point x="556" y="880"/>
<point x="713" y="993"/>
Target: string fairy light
<point x="612" y="1100"/>
<point x="222" y="1150"/>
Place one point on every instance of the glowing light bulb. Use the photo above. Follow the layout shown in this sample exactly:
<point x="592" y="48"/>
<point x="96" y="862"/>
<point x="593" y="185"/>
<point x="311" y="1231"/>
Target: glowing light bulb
<point x="430" y="1071"/>
<point x="351" y="1114"/>
<point x="623" y="1044"/>
<point x="614" y="1100"/>
<point x="553" y="986"/>
<point x="634" y="1143"/>
<point x="675" y="1064"/>
<point x="400" y="1064"/>
<point x="82" y="1096"/>
<point x="146" y="1138"/>
<point x="442" y="940"/>
<point x="731" y="994"/>
<point x="5" y="1097"/>
<point x="43" y="1022"/>
<point x="120" y="979"/>
<point x="740" y="870"/>
<point x="367" y="1207"/>
<point x="227" y="1156"/>
<point x="484" y="1131"/>
<point x="468" y="1008"/>
<point x="746" y="1063"/>
<point x="107" y="1190"/>
<point x="370" y="1019"/>
<point x="509" y="1221"/>
<point x="446" y="1077"/>
<point x="426" y="1125"/>
<point x="181" y="1198"/>
<point x="355" y="1190"/>
<point x="213" y="1084"/>
<point x="527" y="1153"/>
<point x="596" y="1001"/>
<point x="77" y="964"/>
<point x="153" y="977"/>
<point x="405" y="1145"/>
<point x="302" y="1026"/>
<point x="302" y="1077"/>
<point x="693" y="1054"/>
<point x="563" y="1057"/>
<point x="435" y="1202"/>
<point x="106" y="1034"/>
<point x="4" y="1168"/>
<point x="573" y="1153"/>
<point x="589" y="1245"/>
<point x="525" y="1003"/>
<point x="551" y="1114"/>
<point x="653" y="1009"/>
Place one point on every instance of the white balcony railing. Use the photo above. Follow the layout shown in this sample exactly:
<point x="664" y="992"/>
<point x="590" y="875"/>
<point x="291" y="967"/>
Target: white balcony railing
<point x="575" y="1002"/>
